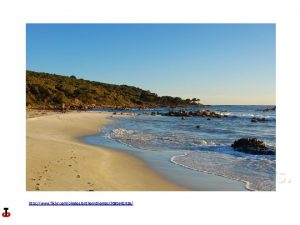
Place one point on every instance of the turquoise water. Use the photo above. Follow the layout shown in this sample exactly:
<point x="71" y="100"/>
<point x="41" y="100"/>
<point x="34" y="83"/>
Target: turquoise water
<point x="186" y="154"/>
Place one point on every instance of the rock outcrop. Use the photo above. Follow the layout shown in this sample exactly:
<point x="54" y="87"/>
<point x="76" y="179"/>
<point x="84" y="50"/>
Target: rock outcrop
<point x="268" y="109"/>
<point x="257" y="119"/>
<point x="252" y="146"/>
<point x="199" y="113"/>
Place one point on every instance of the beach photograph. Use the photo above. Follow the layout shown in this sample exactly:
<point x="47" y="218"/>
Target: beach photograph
<point x="150" y="107"/>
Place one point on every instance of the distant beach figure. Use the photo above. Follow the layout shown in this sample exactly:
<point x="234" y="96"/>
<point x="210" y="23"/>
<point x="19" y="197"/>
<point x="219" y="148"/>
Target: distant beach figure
<point x="63" y="108"/>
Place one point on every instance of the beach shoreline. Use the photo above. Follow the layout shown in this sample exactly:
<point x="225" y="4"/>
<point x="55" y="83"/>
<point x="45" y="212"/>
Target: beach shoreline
<point x="161" y="162"/>
<point x="56" y="159"/>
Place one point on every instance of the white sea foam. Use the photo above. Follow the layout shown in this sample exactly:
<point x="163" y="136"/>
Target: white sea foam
<point x="257" y="174"/>
<point x="150" y="141"/>
<point x="247" y="115"/>
<point x="131" y="135"/>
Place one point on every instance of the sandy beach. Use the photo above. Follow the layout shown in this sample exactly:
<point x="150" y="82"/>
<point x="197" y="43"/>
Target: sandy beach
<point x="58" y="161"/>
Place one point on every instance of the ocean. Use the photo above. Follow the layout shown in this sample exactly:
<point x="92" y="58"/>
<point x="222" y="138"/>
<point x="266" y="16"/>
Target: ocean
<point x="185" y="150"/>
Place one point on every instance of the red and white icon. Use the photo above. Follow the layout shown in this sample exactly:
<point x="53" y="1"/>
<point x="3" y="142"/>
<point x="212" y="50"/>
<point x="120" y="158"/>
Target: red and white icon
<point x="6" y="213"/>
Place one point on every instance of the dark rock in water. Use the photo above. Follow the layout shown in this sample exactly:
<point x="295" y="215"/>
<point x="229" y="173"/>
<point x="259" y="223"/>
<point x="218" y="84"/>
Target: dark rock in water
<point x="198" y="126"/>
<point x="269" y="109"/>
<point x="153" y="113"/>
<point x="257" y="119"/>
<point x="261" y="119"/>
<point x="182" y="118"/>
<point x="252" y="146"/>
<point x="198" y="113"/>
<point x="208" y="118"/>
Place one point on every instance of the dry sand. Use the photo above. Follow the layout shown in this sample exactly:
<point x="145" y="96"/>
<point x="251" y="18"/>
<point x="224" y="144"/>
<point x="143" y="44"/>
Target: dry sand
<point x="58" y="161"/>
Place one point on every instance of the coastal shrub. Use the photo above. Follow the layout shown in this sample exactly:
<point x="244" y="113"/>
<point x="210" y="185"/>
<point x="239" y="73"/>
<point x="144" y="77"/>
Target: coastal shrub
<point x="44" y="89"/>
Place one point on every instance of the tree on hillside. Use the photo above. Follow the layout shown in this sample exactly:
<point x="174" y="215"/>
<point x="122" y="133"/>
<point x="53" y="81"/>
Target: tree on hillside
<point x="195" y="100"/>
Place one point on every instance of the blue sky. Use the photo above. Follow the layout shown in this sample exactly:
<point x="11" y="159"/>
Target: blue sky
<point x="218" y="63"/>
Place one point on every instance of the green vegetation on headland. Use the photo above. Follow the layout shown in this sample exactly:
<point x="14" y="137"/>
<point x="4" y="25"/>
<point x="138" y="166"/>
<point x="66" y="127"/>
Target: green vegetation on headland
<point x="50" y="91"/>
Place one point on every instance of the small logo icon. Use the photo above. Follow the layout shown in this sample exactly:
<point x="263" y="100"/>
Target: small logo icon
<point x="6" y="214"/>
